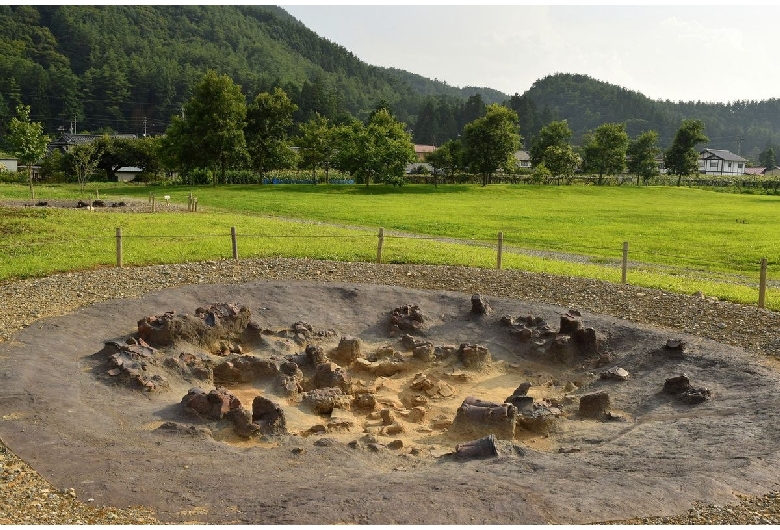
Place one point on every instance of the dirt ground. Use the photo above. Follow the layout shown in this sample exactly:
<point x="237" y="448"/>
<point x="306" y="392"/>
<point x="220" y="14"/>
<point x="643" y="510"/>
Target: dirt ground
<point x="106" y="441"/>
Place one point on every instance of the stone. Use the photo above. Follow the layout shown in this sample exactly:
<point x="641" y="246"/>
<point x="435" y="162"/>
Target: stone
<point x="479" y="415"/>
<point x="615" y="374"/>
<point x="480" y="306"/>
<point x="244" y="369"/>
<point x="207" y="328"/>
<point x="424" y="352"/>
<point x="290" y="379"/>
<point x="677" y="345"/>
<point x="396" y="444"/>
<point x="408" y="318"/>
<point x="481" y="448"/>
<point x="694" y="396"/>
<point x="677" y="385"/>
<point x="387" y="415"/>
<point x="473" y="356"/>
<point x="348" y="350"/>
<point x="595" y="405"/>
<point x="242" y="423"/>
<point x="269" y="416"/>
<point x="364" y="400"/>
<point x="540" y="419"/>
<point x="315" y="354"/>
<point x="416" y="414"/>
<point x="212" y="406"/>
<point x="329" y="375"/>
<point x="324" y="400"/>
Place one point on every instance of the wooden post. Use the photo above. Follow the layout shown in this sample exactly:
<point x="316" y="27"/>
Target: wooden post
<point x="625" y="262"/>
<point x="235" y="241"/>
<point x="118" y="247"/>
<point x="500" y="249"/>
<point x="379" y="245"/>
<point x="189" y="203"/>
<point x="150" y="197"/>
<point x="152" y="203"/>
<point x="762" y="285"/>
<point x="195" y="204"/>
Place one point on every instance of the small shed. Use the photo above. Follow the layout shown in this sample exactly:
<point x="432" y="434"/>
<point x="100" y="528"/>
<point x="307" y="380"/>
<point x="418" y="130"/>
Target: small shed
<point x="127" y="173"/>
<point x="10" y="164"/>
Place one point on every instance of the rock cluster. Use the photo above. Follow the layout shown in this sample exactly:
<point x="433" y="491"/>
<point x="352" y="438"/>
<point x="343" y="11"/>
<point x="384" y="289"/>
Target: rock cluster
<point x="571" y="343"/>
<point x="680" y="387"/>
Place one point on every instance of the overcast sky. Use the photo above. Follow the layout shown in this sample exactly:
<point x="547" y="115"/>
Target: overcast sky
<point x="708" y="53"/>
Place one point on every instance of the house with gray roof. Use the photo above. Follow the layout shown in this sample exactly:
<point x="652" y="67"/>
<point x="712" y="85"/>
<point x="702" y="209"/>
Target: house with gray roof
<point x="66" y="141"/>
<point x="721" y="162"/>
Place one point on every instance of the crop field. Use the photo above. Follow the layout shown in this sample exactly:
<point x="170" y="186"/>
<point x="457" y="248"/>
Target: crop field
<point x="680" y="239"/>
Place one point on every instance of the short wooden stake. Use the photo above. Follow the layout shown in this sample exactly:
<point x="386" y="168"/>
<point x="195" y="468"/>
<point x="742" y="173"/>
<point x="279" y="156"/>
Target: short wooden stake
<point x="189" y="203"/>
<point x="150" y="196"/>
<point x="118" y="247"/>
<point x="195" y="205"/>
<point x="379" y="245"/>
<point x="500" y="250"/>
<point x="235" y="241"/>
<point x="625" y="262"/>
<point x="152" y="203"/>
<point x="762" y="285"/>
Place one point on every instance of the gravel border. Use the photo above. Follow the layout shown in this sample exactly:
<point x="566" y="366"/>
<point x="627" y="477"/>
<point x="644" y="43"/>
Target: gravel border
<point x="26" y="498"/>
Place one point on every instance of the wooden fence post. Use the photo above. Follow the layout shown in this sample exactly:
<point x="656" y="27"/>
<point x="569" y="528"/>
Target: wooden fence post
<point x="150" y="197"/>
<point x="152" y="203"/>
<point x="762" y="285"/>
<point x="235" y="241"/>
<point x="379" y="245"/>
<point x="500" y="250"/>
<point x="625" y="262"/>
<point x="195" y="206"/>
<point x="189" y="203"/>
<point x="118" y="247"/>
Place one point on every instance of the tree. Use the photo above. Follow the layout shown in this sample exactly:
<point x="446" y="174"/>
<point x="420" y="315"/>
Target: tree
<point x="490" y="141"/>
<point x="641" y="156"/>
<point x="316" y="143"/>
<point x="562" y="161"/>
<point x="83" y="160"/>
<point x="556" y="133"/>
<point x="605" y="149"/>
<point x="211" y="132"/>
<point x="269" y="119"/>
<point x="767" y="159"/>
<point x="681" y="158"/>
<point x="379" y="150"/>
<point x="27" y="141"/>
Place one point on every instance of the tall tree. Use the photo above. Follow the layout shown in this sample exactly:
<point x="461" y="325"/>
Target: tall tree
<point x="490" y="141"/>
<point x="682" y="158"/>
<point x="561" y="161"/>
<point x="554" y="134"/>
<point x="605" y="150"/>
<point x="211" y="132"/>
<point x="767" y="158"/>
<point x="269" y="119"/>
<point x="641" y="156"/>
<point x="317" y="145"/>
<point x="27" y="141"/>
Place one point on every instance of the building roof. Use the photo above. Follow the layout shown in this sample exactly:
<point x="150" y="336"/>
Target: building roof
<point x="723" y="154"/>
<point x="129" y="169"/>
<point x="522" y="155"/>
<point x="424" y="148"/>
<point x="755" y="170"/>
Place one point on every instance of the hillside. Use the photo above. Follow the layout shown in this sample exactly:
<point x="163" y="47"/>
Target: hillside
<point x="130" y="68"/>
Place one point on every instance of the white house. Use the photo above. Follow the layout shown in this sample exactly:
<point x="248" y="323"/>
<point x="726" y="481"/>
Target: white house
<point x="721" y="162"/>
<point x="9" y="164"/>
<point x="523" y="159"/>
<point x="127" y="173"/>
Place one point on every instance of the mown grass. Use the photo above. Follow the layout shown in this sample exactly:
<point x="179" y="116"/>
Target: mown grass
<point x="687" y="239"/>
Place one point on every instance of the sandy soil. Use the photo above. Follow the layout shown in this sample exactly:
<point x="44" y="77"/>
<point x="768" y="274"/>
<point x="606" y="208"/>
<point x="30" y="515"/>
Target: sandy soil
<point x="105" y="440"/>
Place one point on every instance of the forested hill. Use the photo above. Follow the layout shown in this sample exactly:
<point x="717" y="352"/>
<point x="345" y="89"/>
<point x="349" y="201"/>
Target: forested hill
<point x="122" y="68"/>
<point x="739" y="126"/>
<point x="111" y="67"/>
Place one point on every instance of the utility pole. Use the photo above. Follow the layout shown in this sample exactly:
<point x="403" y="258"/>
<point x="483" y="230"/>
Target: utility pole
<point x="739" y="146"/>
<point x="144" y="126"/>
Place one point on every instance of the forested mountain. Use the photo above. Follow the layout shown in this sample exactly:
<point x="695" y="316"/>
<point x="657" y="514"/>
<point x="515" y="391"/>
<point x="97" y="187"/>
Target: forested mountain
<point x="130" y="68"/>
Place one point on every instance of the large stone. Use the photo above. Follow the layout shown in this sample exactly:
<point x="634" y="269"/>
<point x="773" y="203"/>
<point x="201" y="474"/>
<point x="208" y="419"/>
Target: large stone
<point x="329" y="375"/>
<point x="324" y="400"/>
<point x="677" y="385"/>
<point x="208" y="328"/>
<point x="407" y="319"/>
<point x="479" y="305"/>
<point x="269" y="416"/>
<point x="595" y="405"/>
<point x="482" y="448"/>
<point x="473" y="356"/>
<point x="348" y="350"/>
<point x="477" y="415"/>
<point x="615" y="374"/>
<point x="244" y="369"/>
<point x="211" y="406"/>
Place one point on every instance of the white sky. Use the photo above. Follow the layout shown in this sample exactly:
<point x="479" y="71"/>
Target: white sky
<point x="712" y="53"/>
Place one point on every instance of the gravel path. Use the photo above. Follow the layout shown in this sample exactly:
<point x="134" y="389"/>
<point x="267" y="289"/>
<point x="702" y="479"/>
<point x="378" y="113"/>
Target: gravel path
<point x="25" y="498"/>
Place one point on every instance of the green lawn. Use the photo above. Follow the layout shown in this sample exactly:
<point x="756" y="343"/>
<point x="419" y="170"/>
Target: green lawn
<point x="685" y="239"/>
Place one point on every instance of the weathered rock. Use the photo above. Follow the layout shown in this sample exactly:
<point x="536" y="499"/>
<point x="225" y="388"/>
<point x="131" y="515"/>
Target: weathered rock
<point x="521" y="403"/>
<point x="677" y="385"/>
<point x="433" y="387"/>
<point x="364" y="400"/>
<point x="479" y="415"/>
<point x="315" y="354"/>
<point x="242" y="423"/>
<point x="269" y="416"/>
<point x="584" y="338"/>
<point x="481" y="448"/>
<point x="244" y="369"/>
<point x="328" y="375"/>
<point x="541" y="418"/>
<point x="473" y="356"/>
<point x="212" y="406"/>
<point x="479" y="305"/>
<point x="424" y="352"/>
<point x="615" y="374"/>
<point x="416" y="414"/>
<point x="209" y="326"/>
<point x="387" y="415"/>
<point x="393" y="429"/>
<point x="595" y="405"/>
<point x="396" y="444"/>
<point x="324" y="400"/>
<point x="290" y="379"/>
<point x="677" y="345"/>
<point x="694" y="396"/>
<point x="408" y="319"/>
<point x="348" y="350"/>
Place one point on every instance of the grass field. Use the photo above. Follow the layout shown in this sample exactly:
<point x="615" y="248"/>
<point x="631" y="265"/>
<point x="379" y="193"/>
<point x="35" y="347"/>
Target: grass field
<point x="680" y="239"/>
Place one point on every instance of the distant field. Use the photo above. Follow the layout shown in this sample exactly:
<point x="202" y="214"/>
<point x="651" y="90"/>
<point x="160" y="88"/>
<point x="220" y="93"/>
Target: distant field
<point x="680" y="239"/>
